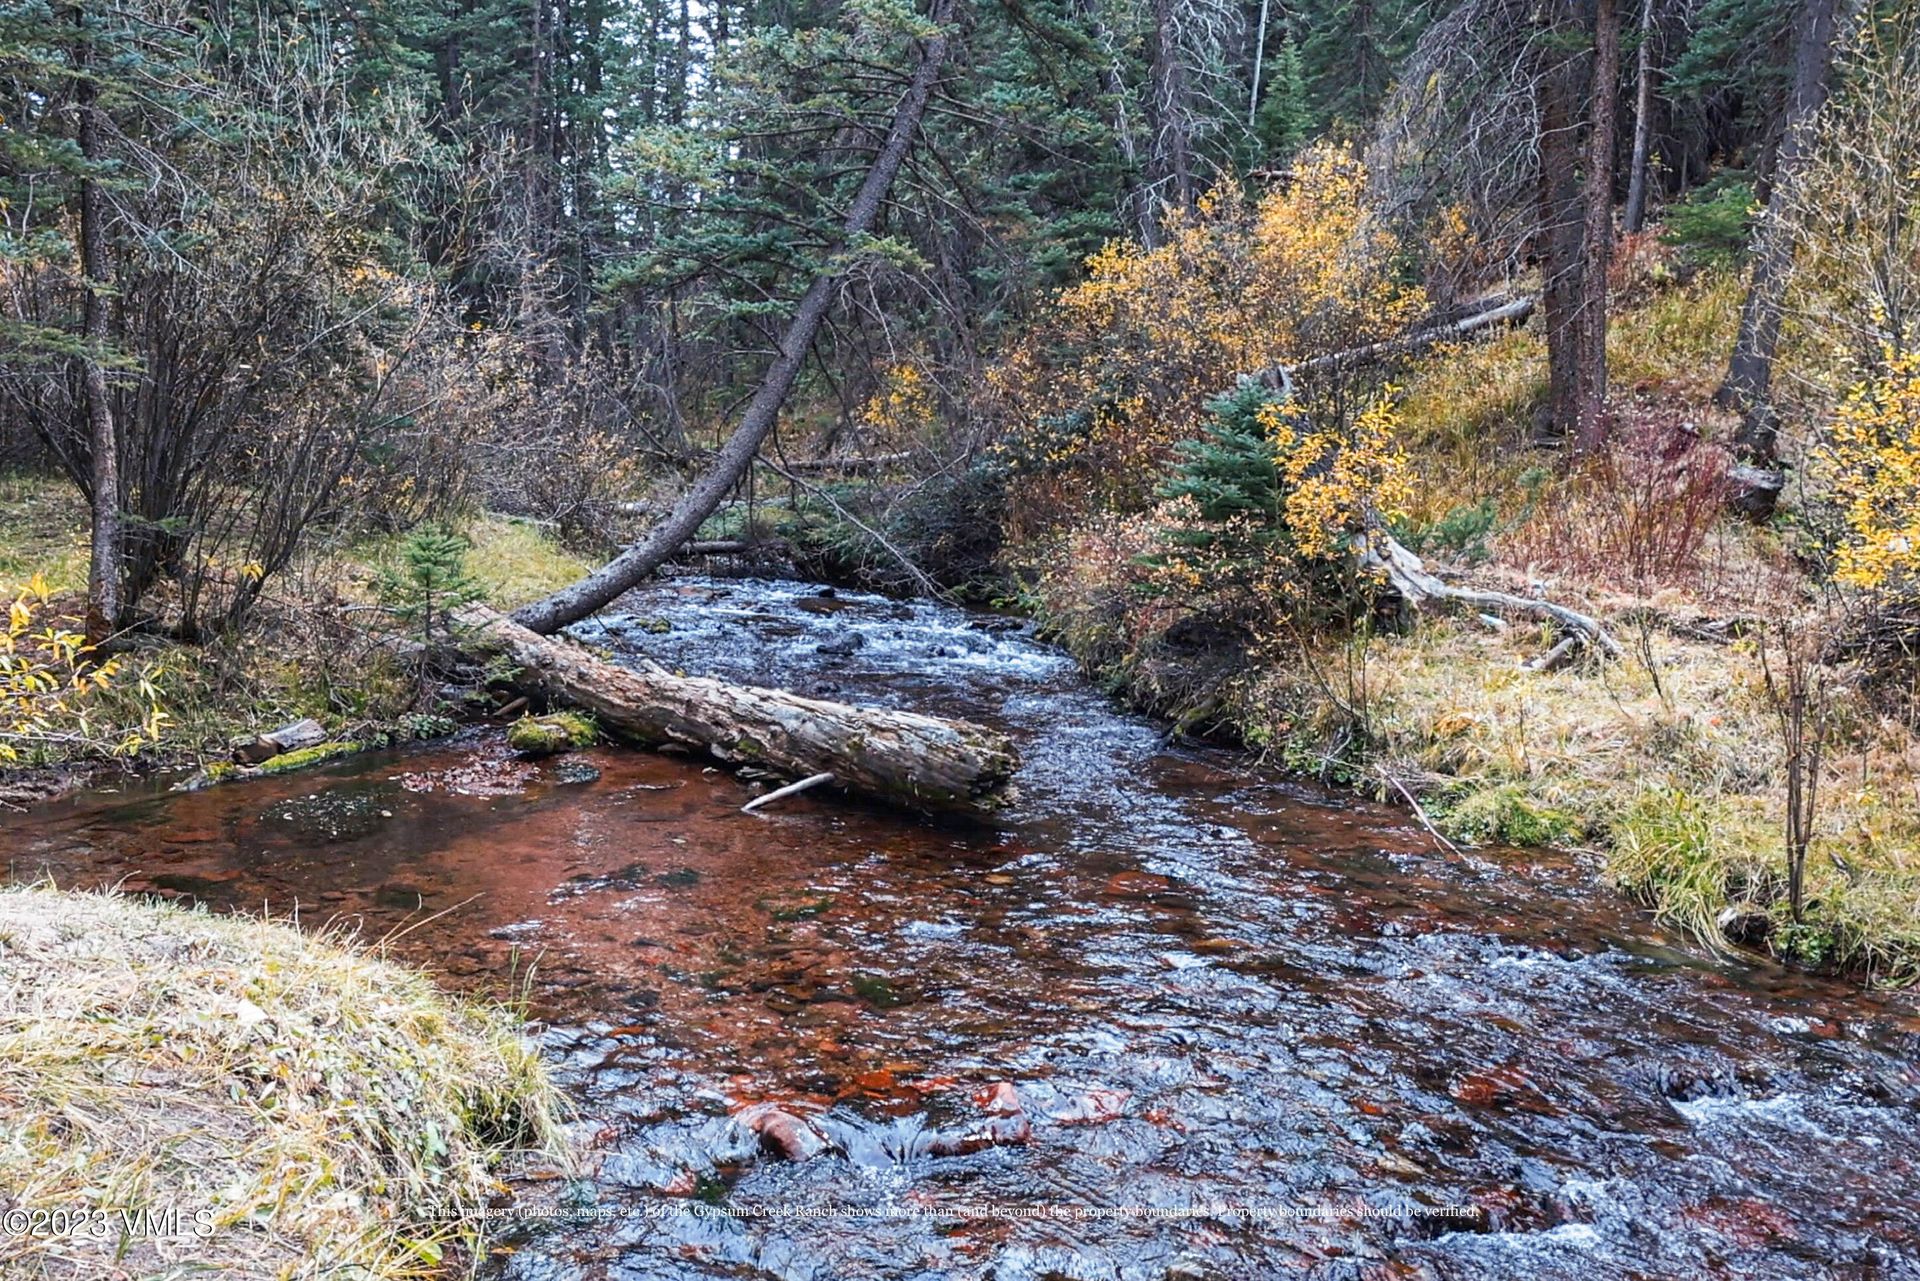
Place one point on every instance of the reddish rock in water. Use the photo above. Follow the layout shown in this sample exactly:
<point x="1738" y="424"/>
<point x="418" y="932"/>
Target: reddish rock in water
<point x="782" y="1133"/>
<point x="1008" y="1123"/>
<point x="1500" y="1087"/>
<point x="1001" y="1131"/>
<point x="998" y="1099"/>
<point x="1136" y="885"/>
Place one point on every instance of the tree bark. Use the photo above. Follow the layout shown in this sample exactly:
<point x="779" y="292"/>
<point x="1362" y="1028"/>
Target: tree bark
<point x="1172" y="112"/>
<point x="1635" y="218"/>
<point x="104" y="568"/>
<point x="921" y="762"/>
<point x="1603" y="90"/>
<point x="1559" y="233"/>
<point x="1259" y="64"/>
<point x="573" y="603"/>
<point x="1748" y="385"/>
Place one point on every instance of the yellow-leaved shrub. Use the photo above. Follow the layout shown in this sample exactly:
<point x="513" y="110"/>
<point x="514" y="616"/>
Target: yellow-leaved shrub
<point x="52" y="684"/>
<point x="1122" y="366"/>
<point x="1874" y="451"/>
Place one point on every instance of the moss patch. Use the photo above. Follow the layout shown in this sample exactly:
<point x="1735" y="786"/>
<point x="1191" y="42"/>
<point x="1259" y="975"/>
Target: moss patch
<point x="1507" y="814"/>
<point x="556" y="732"/>
<point x="304" y="757"/>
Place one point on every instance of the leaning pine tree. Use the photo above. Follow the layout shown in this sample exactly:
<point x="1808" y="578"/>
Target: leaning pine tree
<point x="570" y="604"/>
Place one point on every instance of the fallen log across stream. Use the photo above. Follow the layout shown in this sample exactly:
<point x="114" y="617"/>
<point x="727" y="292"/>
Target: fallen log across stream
<point x="922" y="762"/>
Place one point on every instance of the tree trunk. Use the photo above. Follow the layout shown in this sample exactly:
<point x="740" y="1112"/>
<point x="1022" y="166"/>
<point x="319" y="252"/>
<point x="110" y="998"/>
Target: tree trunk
<point x="104" y="569"/>
<point x="1749" y="380"/>
<point x="1559" y="233"/>
<point x="1635" y="219"/>
<point x="1598" y="233"/>
<point x="573" y="603"/>
<point x="1172" y="153"/>
<point x="907" y="759"/>
<point x="1259" y="64"/>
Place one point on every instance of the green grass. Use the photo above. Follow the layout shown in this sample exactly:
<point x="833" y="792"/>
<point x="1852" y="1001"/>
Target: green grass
<point x="43" y="530"/>
<point x="1687" y="858"/>
<point x="516" y="562"/>
<point x="1508" y="814"/>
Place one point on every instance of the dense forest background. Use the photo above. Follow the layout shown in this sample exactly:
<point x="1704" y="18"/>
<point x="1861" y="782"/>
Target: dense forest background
<point x="567" y="234"/>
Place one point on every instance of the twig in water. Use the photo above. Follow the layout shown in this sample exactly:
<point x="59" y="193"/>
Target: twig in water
<point x="1419" y="813"/>
<point x="791" y="789"/>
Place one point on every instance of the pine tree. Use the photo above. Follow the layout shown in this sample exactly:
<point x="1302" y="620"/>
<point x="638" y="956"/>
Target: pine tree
<point x="1234" y="532"/>
<point x="1284" y="118"/>
<point x="1231" y="473"/>
<point x="429" y="583"/>
<point x="1350" y="51"/>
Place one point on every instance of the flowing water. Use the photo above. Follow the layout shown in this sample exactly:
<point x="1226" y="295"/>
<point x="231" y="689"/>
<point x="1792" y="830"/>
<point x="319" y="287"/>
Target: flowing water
<point x="1172" y="1016"/>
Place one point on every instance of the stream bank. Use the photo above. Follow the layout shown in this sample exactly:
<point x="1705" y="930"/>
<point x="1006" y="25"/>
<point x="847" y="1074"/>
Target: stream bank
<point x="1254" y="1026"/>
<point x="185" y="1092"/>
<point x="1666" y="762"/>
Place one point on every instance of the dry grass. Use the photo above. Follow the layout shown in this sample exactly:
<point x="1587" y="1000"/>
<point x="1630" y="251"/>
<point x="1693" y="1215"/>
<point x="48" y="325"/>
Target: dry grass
<point x="1668" y="761"/>
<point x="1468" y="408"/>
<point x="306" y="1108"/>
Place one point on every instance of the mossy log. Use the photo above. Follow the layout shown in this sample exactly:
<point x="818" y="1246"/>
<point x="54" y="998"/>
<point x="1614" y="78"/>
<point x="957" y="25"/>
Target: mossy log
<point x="922" y="762"/>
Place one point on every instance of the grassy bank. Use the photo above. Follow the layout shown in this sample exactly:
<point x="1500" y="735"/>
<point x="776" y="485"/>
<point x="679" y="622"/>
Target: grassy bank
<point x="1669" y="762"/>
<point x="310" y="648"/>
<point x="297" y="1106"/>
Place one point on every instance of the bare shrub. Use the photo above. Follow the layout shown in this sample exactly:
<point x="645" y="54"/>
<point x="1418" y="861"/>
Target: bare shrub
<point x="1637" y="514"/>
<point x="1799" y="692"/>
<point x="271" y="346"/>
<point x="555" y="451"/>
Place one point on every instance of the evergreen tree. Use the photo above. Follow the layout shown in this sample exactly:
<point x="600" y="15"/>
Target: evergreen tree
<point x="1285" y="117"/>
<point x="1230" y="483"/>
<point x="429" y="583"/>
<point x="1351" y="51"/>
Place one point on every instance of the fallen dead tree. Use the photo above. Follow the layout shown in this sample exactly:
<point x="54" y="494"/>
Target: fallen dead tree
<point x="845" y="466"/>
<point x="1380" y="552"/>
<point x="1419" y="587"/>
<point x="736" y="547"/>
<point x="922" y="762"/>
<point x="1494" y="313"/>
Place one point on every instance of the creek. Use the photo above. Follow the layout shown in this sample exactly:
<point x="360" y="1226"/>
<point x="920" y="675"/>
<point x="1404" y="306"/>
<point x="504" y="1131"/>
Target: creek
<point x="1172" y="1015"/>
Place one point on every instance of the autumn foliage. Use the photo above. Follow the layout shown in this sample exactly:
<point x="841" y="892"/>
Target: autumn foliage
<point x="1875" y="456"/>
<point x="1123" y="365"/>
<point x="52" y="685"/>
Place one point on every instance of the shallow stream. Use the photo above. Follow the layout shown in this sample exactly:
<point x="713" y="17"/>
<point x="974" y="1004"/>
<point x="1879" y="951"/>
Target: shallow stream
<point x="1173" y="1016"/>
